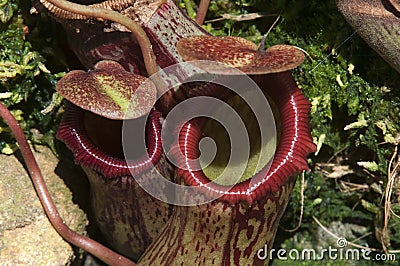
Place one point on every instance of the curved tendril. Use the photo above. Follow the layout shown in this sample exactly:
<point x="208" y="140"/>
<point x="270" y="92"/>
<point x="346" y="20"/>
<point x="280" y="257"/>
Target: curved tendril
<point x="202" y="11"/>
<point x="108" y="256"/>
<point x="102" y="13"/>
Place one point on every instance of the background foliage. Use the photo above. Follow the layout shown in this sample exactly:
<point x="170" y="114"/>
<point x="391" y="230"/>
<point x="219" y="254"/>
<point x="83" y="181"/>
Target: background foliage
<point x="349" y="85"/>
<point x="27" y="80"/>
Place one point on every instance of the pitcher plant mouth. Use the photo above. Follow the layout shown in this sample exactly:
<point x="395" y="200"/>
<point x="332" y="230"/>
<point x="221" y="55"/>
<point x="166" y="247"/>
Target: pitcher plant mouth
<point x="260" y="152"/>
<point x="96" y="142"/>
<point x="295" y="143"/>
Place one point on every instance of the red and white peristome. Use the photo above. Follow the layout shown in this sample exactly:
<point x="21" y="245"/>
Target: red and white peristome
<point x="72" y="131"/>
<point x="290" y="157"/>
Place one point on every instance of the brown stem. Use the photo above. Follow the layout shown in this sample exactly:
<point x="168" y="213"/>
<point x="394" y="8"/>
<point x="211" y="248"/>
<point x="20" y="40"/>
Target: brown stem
<point x="202" y="11"/>
<point x="91" y="246"/>
<point x="102" y="13"/>
<point x="261" y="48"/>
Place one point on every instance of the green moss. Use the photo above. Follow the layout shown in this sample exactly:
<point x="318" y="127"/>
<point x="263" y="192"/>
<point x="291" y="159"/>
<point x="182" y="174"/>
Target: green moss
<point x="26" y="85"/>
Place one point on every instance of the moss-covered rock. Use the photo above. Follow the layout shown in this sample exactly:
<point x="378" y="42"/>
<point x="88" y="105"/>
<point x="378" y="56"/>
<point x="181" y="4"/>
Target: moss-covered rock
<point x="26" y="235"/>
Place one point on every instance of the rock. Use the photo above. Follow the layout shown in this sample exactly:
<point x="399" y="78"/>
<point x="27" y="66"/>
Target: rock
<point x="26" y="235"/>
<point x="313" y="246"/>
<point x="346" y="231"/>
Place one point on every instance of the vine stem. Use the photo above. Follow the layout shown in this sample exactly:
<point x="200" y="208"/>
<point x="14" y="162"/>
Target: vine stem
<point x="102" y="13"/>
<point x="108" y="256"/>
<point x="202" y="11"/>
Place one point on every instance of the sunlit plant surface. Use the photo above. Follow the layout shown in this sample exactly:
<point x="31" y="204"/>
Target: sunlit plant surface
<point x="355" y="112"/>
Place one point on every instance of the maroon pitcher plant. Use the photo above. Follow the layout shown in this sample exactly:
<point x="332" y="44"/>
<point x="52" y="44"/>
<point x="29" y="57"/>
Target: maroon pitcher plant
<point x="378" y="23"/>
<point x="93" y="133"/>
<point x="121" y="43"/>
<point x="243" y="218"/>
